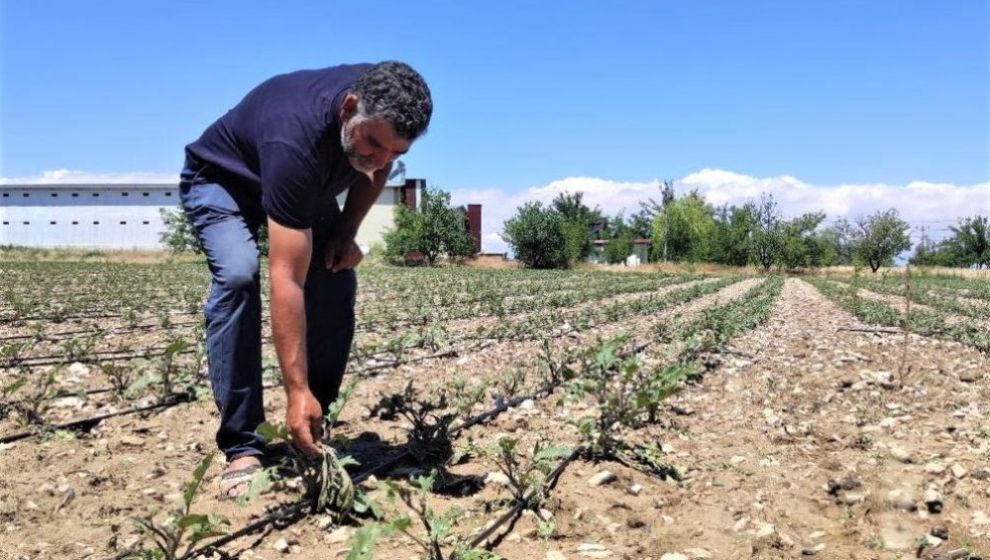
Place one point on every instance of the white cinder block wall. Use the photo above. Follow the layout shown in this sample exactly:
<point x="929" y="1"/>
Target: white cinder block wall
<point x="123" y="216"/>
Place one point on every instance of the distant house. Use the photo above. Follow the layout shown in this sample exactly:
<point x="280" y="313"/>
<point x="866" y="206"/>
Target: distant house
<point x="640" y="253"/>
<point x="127" y="216"/>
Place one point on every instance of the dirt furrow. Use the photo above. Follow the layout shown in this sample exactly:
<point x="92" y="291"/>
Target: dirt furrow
<point x="830" y="443"/>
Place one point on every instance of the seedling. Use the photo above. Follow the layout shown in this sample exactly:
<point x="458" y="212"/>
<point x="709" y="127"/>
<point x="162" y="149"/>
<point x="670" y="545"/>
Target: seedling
<point x="120" y="376"/>
<point x="32" y="407"/>
<point x="526" y="477"/>
<point x="6" y="392"/>
<point x="429" y="438"/>
<point x="624" y="389"/>
<point x="466" y="395"/>
<point x="438" y="528"/>
<point x="181" y="528"/>
<point x="167" y="368"/>
<point x="510" y="383"/>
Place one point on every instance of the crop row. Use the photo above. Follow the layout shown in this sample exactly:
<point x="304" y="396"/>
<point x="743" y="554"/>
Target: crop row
<point x="924" y="292"/>
<point x="926" y="322"/>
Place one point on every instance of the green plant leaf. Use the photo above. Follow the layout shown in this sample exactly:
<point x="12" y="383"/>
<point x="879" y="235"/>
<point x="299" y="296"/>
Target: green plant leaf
<point x="261" y="482"/>
<point x="191" y="519"/>
<point x="401" y="523"/>
<point x="272" y="432"/>
<point x="363" y="543"/>
<point x="552" y="452"/>
<point x="197" y="479"/>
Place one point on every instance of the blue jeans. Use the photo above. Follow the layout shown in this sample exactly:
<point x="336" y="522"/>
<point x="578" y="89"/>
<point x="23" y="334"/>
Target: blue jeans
<point x="227" y="225"/>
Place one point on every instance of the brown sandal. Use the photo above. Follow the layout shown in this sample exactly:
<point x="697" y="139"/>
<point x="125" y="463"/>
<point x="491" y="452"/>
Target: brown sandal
<point x="231" y="480"/>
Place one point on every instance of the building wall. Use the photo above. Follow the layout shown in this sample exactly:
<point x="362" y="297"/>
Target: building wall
<point x="124" y="216"/>
<point x="380" y="218"/>
<point x="118" y="216"/>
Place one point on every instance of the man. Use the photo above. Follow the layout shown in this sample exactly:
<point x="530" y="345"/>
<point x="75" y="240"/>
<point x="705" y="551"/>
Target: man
<point x="280" y="157"/>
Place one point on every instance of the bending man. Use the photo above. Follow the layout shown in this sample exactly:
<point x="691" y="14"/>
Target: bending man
<point x="280" y="157"/>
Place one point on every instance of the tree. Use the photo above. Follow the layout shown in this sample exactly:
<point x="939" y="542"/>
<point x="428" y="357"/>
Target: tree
<point x="685" y="229"/>
<point x="944" y="253"/>
<point x="577" y="241"/>
<point x="435" y="229"/>
<point x="572" y="208"/>
<point x="179" y="236"/>
<point x="536" y="235"/>
<point x="969" y="245"/>
<point x="768" y="233"/>
<point x="879" y="238"/>
<point x="972" y="241"/>
<point x="732" y="244"/>
<point x="799" y="247"/>
<point x="641" y="222"/>
<point x="835" y="243"/>
<point x="578" y="219"/>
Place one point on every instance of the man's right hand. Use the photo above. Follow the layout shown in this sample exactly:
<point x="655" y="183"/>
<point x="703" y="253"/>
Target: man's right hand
<point x="289" y="254"/>
<point x="304" y="419"/>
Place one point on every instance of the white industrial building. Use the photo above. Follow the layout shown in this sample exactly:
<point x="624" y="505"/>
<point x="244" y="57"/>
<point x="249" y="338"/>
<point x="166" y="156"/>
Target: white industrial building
<point x="127" y="216"/>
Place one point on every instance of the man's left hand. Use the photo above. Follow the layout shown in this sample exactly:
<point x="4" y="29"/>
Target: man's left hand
<point x="342" y="253"/>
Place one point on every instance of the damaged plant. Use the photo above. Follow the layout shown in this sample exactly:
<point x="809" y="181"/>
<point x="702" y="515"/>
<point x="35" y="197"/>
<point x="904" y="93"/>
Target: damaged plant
<point x="430" y="441"/>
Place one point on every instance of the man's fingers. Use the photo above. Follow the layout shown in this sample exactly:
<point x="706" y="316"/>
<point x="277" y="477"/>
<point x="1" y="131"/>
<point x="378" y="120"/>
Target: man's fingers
<point x="330" y="256"/>
<point x="349" y="258"/>
<point x="304" y="440"/>
<point x="344" y="261"/>
<point x="316" y="428"/>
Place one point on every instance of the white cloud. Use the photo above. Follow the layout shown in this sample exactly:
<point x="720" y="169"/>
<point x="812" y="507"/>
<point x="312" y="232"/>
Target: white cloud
<point x="932" y="205"/>
<point x="68" y="176"/>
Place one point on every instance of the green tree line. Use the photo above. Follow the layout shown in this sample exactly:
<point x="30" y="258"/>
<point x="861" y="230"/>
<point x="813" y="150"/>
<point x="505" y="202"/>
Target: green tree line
<point x="689" y="229"/>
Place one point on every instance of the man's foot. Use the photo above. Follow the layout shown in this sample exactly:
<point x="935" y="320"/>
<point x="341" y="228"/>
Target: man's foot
<point x="236" y="477"/>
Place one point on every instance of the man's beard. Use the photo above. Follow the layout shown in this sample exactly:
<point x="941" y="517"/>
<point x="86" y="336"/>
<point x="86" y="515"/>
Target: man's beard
<point x="358" y="161"/>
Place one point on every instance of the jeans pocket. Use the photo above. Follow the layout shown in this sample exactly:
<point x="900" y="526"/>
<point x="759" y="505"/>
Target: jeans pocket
<point x="208" y="203"/>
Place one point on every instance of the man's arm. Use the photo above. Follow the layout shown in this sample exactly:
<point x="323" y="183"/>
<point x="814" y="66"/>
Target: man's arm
<point x="342" y="252"/>
<point x="289" y="255"/>
<point x="360" y="197"/>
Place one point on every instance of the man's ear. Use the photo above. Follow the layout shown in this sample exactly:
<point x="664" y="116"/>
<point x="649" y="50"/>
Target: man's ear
<point x="349" y="107"/>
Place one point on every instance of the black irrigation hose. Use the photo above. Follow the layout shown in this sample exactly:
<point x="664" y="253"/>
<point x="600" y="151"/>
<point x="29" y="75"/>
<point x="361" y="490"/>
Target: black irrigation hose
<point x="84" y="422"/>
<point x="548" y="484"/>
<point x="60" y="335"/>
<point x="91" y="358"/>
<point x="60" y="318"/>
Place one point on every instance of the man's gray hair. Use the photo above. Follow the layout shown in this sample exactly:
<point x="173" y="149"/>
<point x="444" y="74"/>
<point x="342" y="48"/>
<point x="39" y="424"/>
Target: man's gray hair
<point x="395" y="92"/>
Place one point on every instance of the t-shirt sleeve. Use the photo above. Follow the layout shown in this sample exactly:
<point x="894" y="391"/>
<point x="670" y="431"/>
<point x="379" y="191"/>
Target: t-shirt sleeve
<point x="289" y="185"/>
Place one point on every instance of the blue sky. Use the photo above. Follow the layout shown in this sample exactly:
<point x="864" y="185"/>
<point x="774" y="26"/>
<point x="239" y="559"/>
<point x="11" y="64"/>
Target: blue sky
<point x="526" y="93"/>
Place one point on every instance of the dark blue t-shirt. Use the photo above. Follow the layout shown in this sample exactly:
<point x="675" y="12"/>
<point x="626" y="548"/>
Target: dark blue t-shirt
<point x="281" y="144"/>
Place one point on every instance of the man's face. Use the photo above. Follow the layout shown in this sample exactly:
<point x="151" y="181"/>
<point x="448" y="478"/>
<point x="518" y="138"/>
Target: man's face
<point x="370" y="143"/>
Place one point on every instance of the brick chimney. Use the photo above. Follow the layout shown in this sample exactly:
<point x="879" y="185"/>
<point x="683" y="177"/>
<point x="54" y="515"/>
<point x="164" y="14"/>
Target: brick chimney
<point x="474" y="225"/>
<point x="407" y="193"/>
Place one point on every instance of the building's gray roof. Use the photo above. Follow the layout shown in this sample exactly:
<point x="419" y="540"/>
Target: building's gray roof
<point x="69" y="186"/>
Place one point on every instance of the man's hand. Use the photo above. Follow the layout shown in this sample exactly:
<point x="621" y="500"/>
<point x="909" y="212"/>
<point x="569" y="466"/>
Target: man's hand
<point x="342" y="253"/>
<point x="304" y="418"/>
